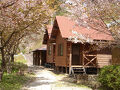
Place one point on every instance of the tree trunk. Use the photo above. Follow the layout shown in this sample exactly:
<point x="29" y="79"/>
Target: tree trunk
<point x="1" y="75"/>
<point x="3" y="64"/>
<point x="12" y="57"/>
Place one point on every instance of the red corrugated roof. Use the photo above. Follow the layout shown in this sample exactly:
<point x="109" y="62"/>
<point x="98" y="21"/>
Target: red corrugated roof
<point x="66" y="26"/>
<point x="42" y="48"/>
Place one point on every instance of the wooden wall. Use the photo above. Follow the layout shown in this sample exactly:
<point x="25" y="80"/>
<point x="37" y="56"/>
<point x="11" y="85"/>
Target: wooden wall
<point x="36" y="58"/>
<point x="103" y="60"/>
<point x="43" y="57"/>
<point x="49" y="57"/>
<point x="116" y="56"/>
<point x="104" y="57"/>
<point x="113" y="58"/>
<point x="60" y="60"/>
<point x="39" y="57"/>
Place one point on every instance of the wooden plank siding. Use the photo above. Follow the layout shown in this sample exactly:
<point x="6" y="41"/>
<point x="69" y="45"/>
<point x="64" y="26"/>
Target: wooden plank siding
<point x="39" y="57"/>
<point x="60" y="60"/>
<point x="116" y="56"/>
<point x="103" y="60"/>
<point x="49" y="57"/>
<point x="36" y="58"/>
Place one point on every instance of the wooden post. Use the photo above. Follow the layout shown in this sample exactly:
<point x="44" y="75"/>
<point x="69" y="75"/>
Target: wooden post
<point x="83" y="56"/>
<point x="70" y="61"/>
<point x="62" y="69"/>
<point x="66" y="57"/>
<point x="57" y="69"/>
<point x="66" y="70"/>
<point x="40" y="55"/>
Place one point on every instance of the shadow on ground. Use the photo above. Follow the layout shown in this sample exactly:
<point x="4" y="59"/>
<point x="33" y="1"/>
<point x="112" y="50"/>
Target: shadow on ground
<point x="34" y="69"/>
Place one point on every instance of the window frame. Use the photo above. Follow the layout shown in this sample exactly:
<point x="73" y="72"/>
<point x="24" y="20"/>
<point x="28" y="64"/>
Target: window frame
<point x="60" y="49"/>
<point x="49" y="50"/>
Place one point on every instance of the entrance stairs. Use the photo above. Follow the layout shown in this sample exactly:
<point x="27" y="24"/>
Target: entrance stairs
<point x="79" y="70"/>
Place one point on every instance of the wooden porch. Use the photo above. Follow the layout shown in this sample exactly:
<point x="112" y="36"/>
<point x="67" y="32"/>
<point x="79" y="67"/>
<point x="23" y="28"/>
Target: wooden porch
<point x="81" y="58"/>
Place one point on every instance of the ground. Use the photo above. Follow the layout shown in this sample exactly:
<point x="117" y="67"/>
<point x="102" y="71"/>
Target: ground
<point x="47" y="79"/>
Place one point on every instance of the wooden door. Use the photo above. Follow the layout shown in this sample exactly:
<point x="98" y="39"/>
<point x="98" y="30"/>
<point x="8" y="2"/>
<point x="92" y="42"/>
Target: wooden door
<point x="75" y="54"/>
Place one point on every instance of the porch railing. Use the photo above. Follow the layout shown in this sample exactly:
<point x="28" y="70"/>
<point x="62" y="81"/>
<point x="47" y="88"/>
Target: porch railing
<point x="89" y="60"/>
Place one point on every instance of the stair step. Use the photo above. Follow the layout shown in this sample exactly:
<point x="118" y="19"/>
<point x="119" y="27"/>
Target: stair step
<point x="78" y="70"/>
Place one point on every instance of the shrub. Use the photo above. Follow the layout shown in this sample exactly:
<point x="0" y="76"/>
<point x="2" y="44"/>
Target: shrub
<point x="18" y="67"/>
<point x="109" y="77"/>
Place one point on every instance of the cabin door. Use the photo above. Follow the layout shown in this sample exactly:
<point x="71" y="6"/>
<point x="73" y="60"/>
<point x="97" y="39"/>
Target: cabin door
<point x="75" y="54"/>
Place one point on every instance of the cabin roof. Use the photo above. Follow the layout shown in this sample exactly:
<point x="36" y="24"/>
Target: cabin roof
<point x="42" y="48"/>
<point x="49" y="28"/>
<point x="67" y="26"/>
<point x="47" y="34"/>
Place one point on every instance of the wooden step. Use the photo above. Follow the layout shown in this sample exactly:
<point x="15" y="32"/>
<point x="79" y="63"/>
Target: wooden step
<point x="79" y="69"/>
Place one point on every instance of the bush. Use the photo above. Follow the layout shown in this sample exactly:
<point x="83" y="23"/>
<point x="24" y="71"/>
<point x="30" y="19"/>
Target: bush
<point x="109" y="77"/>
<point x="18" y="67"/>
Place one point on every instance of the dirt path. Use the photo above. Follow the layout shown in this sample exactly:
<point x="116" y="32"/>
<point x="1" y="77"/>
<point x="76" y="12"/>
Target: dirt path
<point x="46" y="79"/>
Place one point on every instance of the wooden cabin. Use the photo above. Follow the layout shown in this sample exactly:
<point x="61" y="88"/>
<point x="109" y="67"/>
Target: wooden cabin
<point x="69" y="47"/>
<point x="39" y="56"/>
<point x="50" y="54"/>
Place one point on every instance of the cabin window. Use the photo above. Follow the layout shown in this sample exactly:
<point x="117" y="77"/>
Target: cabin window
<point x="50" y="50"/>
<point x="60" y="50"/>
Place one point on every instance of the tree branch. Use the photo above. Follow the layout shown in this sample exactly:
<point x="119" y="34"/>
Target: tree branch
<point x="8" y="4"/>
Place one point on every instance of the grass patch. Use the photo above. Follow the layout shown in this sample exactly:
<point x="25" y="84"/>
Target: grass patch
<point x="13" y="81"/>
<point x="18" y="77"/>
<point x="20" y="58"/>
<point x="69" y="84"/>
<point x="65" y="81"/>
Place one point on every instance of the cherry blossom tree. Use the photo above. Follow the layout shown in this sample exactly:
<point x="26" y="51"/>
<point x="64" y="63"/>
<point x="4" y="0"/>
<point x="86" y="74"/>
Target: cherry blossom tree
<point x="21" y="21"/>
<point x="106" y="12"/>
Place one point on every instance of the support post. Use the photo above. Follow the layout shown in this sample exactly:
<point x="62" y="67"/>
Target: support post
<point x="83" y="62"/>
<point x="66" y="70"/>
<point x="40" y="57"/>
<point x="62" y="69"/>
<point x="70" y="61"/>
<point x="67" y="57"/>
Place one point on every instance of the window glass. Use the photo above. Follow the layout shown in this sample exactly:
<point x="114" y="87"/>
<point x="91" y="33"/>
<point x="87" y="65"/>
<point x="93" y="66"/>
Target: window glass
<point x="60" y="50"/>
<point x="49" y="50"/>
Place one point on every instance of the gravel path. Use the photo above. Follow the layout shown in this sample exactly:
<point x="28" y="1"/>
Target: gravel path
<point x="46" y="79"/>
